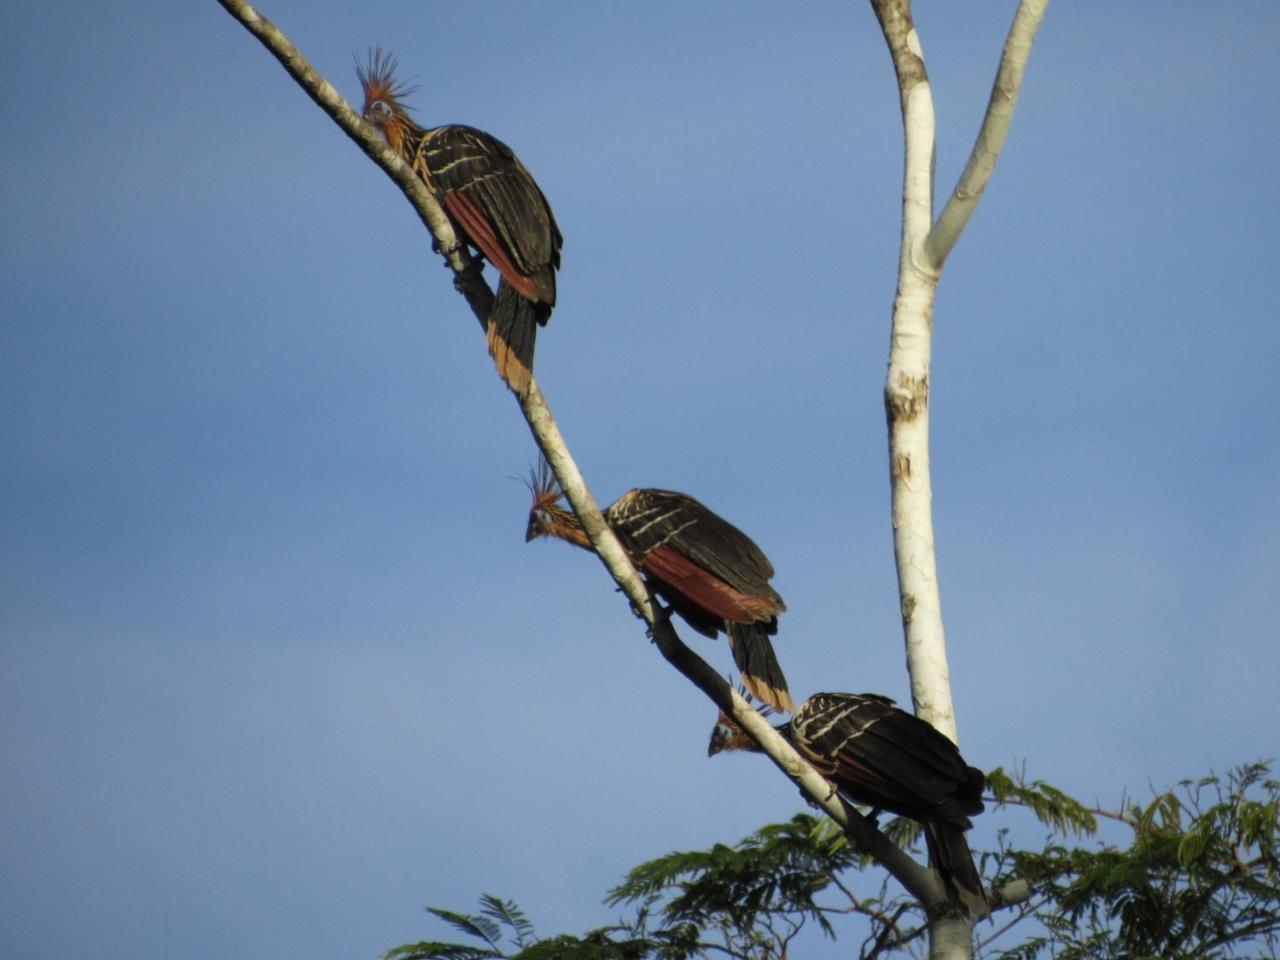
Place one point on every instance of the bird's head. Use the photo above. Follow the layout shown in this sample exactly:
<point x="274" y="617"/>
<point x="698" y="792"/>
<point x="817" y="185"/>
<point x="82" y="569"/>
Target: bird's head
<point x="547" y="518"/>
<point x="382" y="95"/>
<point x="723" y="735"/>
<point x="727" y="735"/>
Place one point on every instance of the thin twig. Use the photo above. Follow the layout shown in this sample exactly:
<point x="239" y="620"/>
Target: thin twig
<point x="1025" y="910"/>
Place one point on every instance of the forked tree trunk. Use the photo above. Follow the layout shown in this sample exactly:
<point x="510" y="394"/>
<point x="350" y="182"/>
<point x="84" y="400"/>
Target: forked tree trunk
<point x="925" y="245"/>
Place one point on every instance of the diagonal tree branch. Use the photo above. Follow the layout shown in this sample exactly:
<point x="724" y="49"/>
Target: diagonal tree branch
<point x="995" y="126"/>
<point x="469" y="279"/>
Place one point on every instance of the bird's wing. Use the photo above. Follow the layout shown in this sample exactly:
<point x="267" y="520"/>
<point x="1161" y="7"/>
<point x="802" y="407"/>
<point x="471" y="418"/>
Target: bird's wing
<point x="650" y="519"/>
<point x="884" y="756"/>
<point x="701" y="590"/>
<point x="495" y="200"/>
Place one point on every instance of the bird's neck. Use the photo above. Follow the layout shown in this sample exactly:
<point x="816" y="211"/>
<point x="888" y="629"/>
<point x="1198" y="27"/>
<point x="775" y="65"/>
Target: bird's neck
<point x="735" y="738"/>
<point x="566" y="526"/>
<point x="403" y="135"/>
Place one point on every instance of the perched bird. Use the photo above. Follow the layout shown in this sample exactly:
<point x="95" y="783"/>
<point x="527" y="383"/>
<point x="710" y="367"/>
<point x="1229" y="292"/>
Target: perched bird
<point x="888" y="759"/>
<point x="709" y="571"/>
<point x="492" y="202"/>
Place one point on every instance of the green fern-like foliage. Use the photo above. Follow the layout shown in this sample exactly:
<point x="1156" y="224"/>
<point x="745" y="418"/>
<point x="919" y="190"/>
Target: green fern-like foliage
<point x="1200" y="878"/>
<point x="1050" y="805"/>
<point x="498" y="921"/>
<point x="510" y="916"/>
<point x="777" y="871"/>
<point x="436" y="950"/>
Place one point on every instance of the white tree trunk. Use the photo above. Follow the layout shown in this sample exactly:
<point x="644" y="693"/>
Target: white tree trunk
<point x="906" y="390"/>
<point x="924" y="249"/>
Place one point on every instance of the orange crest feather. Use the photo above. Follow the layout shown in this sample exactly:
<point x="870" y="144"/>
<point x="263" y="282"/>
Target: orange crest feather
<point x="543" y="486"/>
<point x="378" y="79"/>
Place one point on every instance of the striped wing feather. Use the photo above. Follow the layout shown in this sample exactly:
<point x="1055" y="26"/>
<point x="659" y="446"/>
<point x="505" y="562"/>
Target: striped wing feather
<point x="495" y="200"/>
<point x="888" y="758"/>
<point x="649" y="519"/>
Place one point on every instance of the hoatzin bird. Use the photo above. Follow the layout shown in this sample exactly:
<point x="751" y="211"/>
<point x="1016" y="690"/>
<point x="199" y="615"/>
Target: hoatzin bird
<point x="885" y="758"/>
<point x="493" y="204"/>
<point x="709" y="571"/>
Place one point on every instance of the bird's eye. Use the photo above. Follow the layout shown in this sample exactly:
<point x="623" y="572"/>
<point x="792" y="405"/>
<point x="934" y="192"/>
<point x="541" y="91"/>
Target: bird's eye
<point x="379" y="110"/>
<point x="543" y="518"/>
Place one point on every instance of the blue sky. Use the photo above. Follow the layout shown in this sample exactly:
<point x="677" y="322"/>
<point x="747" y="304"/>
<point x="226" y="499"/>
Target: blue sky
<point x="276" y="666"/>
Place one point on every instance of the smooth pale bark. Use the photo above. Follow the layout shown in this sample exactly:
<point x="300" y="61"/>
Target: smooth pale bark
<point x="923" y="251"/>
<point x="995" y="126"/>
<point x="906" y="390"/>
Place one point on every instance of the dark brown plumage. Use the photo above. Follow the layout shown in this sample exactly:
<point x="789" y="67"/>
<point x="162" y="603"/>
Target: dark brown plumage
<point x="709" y="571"/>
<point x="883" y="757"/>
<point x="494" y="205"/>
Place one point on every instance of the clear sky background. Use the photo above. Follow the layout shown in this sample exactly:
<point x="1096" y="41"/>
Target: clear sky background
<point x="276" y="666"/>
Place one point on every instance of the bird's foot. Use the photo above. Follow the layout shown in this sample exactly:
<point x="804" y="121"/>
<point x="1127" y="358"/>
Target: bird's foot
<point x="661" y="615"/>
<point x="804" y="795"/>
<point x="448" y="252"/>
<point x="466" y="279"/>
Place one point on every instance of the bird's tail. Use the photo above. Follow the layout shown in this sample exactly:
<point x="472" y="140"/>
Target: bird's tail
<point x="756" y="661"/>
<point x="949" y="854"/>
<point x="512" y="329"/>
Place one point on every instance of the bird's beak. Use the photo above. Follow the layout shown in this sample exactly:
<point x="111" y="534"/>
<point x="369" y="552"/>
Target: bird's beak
<point x="531" y="531"/>
<point x="717" y="740"/>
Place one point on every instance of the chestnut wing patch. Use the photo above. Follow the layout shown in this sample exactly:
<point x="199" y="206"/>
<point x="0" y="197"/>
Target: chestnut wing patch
<point x="480" y="232"/>
<point x="709" y="592"/>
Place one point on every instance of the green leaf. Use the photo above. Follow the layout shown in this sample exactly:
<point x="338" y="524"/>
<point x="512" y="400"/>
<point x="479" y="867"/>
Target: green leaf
<point x="1049" y="804"/>
<point x="509" y="914"/>
<point x="1194" y="843"/>
<point x="480" y="927"/>
<point x="433" y="950"/>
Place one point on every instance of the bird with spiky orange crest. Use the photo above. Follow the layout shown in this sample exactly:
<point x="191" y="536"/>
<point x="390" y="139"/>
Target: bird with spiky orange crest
<point x="492" y="202"/>
<point x="882" y="757"/>
<point x="706" y="569"/>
